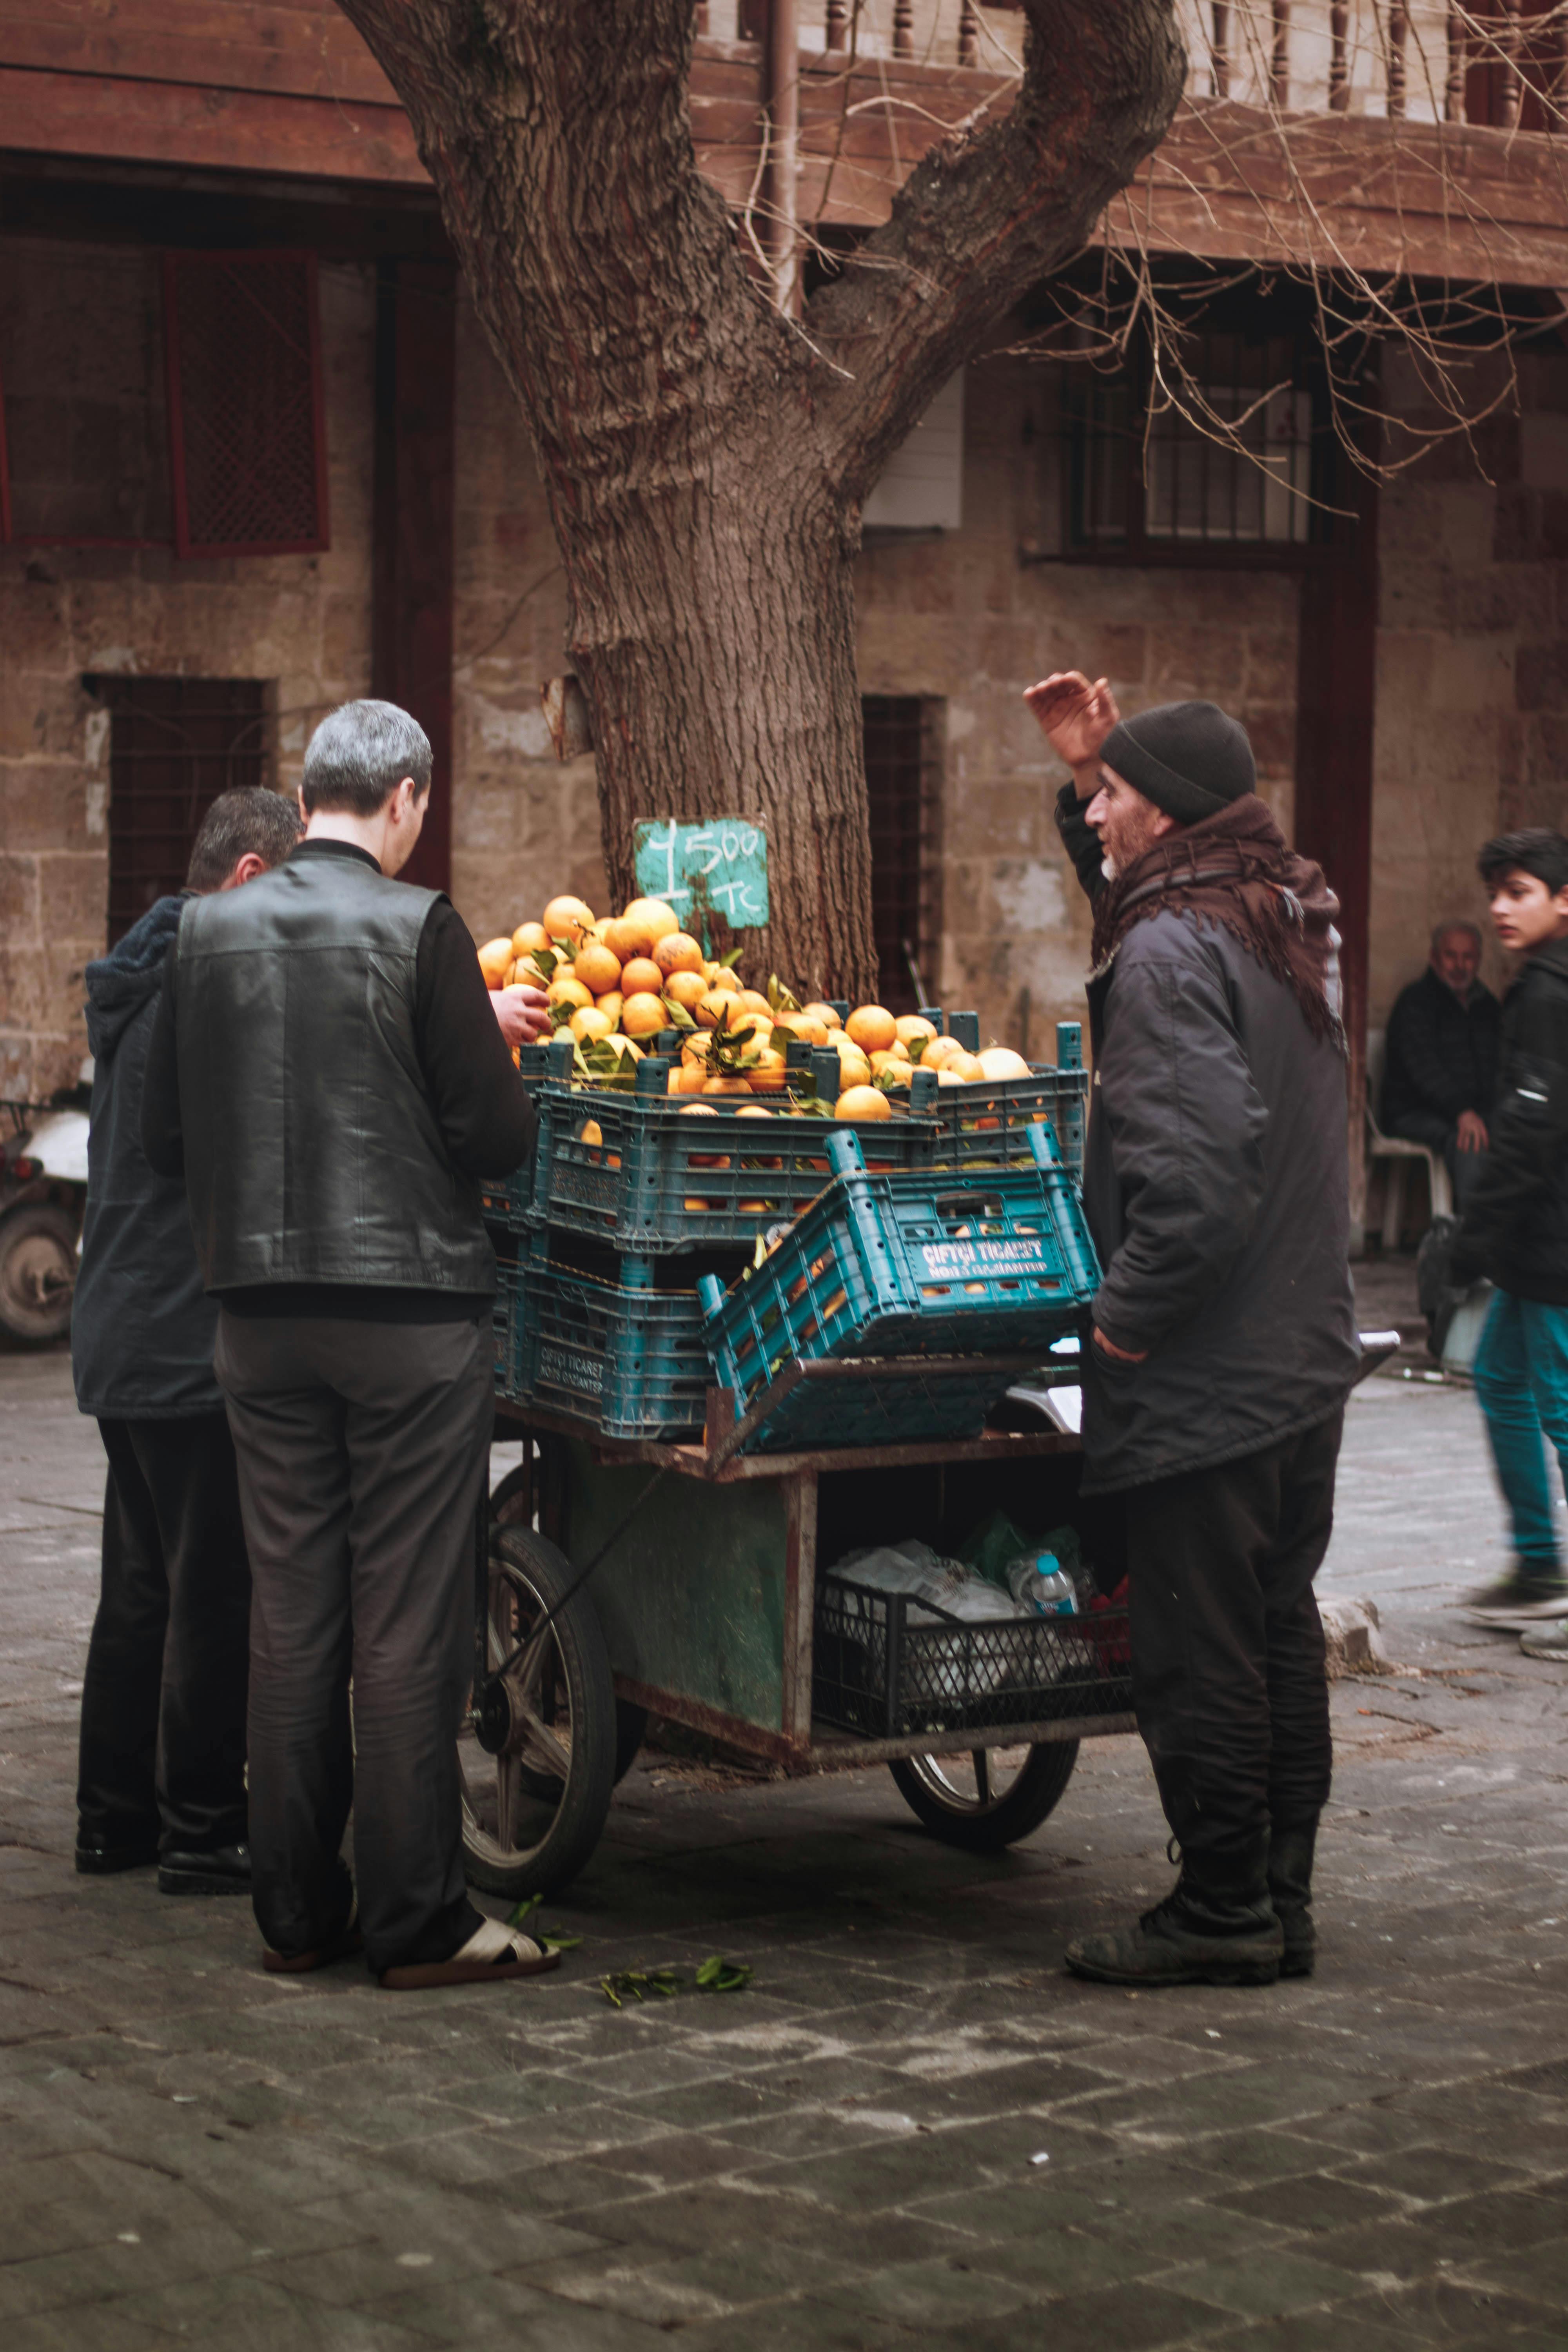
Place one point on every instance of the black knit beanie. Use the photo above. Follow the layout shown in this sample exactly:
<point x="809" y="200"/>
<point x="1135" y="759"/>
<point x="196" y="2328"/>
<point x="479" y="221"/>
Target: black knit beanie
<point x="1187" y="758"/>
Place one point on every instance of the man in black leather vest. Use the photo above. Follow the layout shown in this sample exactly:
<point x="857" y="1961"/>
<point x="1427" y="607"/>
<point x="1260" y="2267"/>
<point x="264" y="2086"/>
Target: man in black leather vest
<point x="328" y="1070"/>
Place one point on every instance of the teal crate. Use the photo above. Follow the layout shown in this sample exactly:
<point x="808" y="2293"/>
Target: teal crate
<point x="966" y="1265"/>
<point x="656" y="1174"/>
<point x="630" y="1362"/>
<point x="505" y="1200"/>
<point x="987" y="1125"/>
<point x="871" y="1401"/>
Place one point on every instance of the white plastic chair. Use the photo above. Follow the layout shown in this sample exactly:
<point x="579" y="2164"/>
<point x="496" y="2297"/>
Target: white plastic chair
<point x="1398" y="1153"/>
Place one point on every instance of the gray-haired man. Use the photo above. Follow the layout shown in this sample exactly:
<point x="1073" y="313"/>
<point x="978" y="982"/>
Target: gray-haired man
<point x="1444" y="1041"/>
<point x="329" y="1072"/>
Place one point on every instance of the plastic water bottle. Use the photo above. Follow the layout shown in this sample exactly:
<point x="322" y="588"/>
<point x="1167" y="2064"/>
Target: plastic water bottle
<point x="1039" y="1582"/>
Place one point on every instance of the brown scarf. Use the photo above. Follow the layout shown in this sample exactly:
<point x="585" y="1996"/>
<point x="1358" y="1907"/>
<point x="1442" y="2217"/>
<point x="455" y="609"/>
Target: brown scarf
<point x="1235" y="869"/>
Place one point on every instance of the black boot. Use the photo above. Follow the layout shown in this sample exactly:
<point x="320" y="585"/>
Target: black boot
<point x="1290" y="1888"/>
<point x="1216" y="1926"/>
<point x="221" y="1870"/>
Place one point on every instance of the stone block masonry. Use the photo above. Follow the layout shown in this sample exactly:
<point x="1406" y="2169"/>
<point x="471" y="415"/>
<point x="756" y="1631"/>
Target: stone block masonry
<point x="299" y="623"/>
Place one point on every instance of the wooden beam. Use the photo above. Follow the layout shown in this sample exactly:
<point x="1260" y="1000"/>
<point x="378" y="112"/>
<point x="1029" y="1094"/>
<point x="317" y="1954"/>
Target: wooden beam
<point x="412" y="527"/>
<point x="223" y="130"/>
<point x="310" y="52"/>
<point x="289" y="90"/>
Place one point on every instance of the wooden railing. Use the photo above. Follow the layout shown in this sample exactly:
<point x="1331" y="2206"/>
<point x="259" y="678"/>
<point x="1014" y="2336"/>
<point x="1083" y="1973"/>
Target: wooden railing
<point x="925" y="32"/>
<point x="1502" y="63"/>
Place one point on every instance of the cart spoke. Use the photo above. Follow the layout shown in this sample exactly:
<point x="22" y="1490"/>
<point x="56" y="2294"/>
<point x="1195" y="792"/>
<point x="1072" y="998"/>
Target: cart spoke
<point x="982" y="1775"/>
<point x="506" y="1801"/>
<point x="541" y="1746"/>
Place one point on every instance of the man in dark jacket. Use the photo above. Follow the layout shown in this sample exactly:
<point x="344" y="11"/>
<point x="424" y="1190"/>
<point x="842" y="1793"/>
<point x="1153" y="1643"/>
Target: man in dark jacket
<point x="1441" y="1071"/>
<point x="161" y="1772"/>
<point x="1222" y="1339"/>
<point x="328" y="1070"/>
<point x="1515" y="1230"/>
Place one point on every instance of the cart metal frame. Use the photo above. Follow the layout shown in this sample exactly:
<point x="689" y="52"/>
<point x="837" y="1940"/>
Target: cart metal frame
<point x="747" y="1525"/>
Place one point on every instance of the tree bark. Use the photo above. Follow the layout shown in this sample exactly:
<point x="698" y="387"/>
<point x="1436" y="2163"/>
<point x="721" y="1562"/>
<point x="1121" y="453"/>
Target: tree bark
<point x="705" y="459"/>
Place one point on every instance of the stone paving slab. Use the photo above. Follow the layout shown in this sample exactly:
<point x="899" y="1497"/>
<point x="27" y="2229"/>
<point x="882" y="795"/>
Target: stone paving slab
<point x="841" y="2159"/>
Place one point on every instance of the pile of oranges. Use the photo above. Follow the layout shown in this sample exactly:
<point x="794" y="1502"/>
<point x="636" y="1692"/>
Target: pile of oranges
<point x="615" y="982"/>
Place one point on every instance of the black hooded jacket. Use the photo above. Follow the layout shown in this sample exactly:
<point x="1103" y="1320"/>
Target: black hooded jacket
<point x="1516" y="1221"/>
<point x="141" y="1331"/>
<point x="1215" y="1185"/>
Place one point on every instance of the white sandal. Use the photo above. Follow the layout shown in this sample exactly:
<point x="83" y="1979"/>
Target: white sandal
<point x="491" y="1951"/>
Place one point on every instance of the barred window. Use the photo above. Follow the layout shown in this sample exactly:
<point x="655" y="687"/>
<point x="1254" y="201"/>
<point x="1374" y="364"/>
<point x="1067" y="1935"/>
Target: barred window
<point x="904" y="734"/>
<point x="174" y="743"/>
<point x="1132" y="479"/>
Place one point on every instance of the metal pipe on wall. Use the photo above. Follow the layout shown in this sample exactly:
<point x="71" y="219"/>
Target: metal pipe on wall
<point x="782" y="227"/>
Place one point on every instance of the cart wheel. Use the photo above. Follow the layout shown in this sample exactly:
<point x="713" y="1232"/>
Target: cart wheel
<point x="989" y="1799"/>
<point x="38" y="1271"/>
<point x="533" y="1811"/>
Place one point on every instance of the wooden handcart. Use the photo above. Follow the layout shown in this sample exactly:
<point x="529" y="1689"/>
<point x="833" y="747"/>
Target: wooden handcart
<point x="618" y="1579"/>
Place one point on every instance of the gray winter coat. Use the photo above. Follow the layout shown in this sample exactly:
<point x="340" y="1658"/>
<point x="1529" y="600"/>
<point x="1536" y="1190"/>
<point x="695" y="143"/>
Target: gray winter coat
<point x="141" y="1331"/>
<point x="1216" y="1186"/>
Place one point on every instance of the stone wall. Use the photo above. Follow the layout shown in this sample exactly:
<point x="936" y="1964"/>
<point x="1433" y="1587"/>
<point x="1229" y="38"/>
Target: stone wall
<point x="1473" y="723"/>
<point x="1472" y="662"/>
<point x="300" y="622"/>
<point x="524" y="826"/>
<point x="952" y="616"/>
<point x="960" y="617"/>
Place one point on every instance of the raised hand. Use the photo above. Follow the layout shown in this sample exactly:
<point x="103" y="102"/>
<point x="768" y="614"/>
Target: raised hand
<point x="1075" y="716"/>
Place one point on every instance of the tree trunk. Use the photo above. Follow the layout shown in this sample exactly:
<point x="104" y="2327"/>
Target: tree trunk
<point x="717" y="652"/>
<point x="705" y="459"/>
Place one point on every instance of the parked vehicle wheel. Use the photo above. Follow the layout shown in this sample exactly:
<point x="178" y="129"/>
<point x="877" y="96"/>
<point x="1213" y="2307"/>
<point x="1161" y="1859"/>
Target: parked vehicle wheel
<point x="990" y="1798"/>
<point x="37" y="1271"/>
<point x="510" y="1501"/>
<point x="534" y="1806"/>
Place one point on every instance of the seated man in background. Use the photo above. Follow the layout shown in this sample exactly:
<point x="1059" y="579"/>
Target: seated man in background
<point x="1442" y="1067"/>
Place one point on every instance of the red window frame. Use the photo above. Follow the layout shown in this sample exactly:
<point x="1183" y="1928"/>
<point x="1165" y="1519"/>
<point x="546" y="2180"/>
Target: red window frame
<point x="173" y="265"/>
<point x="184" y="547"/>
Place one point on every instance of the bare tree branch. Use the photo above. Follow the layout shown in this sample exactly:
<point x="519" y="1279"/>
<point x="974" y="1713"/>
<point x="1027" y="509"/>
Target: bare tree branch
<point x="982" y="219"/>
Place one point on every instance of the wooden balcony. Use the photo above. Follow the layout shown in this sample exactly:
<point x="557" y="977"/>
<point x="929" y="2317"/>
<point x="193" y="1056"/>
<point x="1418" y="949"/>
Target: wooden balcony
<point x="1380" y="170"/>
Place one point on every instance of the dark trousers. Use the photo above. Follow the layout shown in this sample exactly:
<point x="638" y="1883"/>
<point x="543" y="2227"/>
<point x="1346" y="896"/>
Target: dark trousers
<point x="362" y="1449"/>
<point x="1227" y="1645"/>
<point x="162" y="1702"/>
<point x="1464" y="1167"/>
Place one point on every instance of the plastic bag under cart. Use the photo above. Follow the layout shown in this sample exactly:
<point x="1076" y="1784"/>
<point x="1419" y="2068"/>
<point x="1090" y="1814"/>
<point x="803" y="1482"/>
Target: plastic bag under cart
<point x="907" y="1641"/>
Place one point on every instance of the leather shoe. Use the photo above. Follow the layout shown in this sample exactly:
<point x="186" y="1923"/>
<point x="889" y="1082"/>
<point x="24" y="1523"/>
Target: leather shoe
<point x="226" y="1870"/>
<point x="95" y="1858"/>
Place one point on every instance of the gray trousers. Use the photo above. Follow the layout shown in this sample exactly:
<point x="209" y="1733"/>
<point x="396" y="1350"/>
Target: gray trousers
<point x="363" y="1451"/>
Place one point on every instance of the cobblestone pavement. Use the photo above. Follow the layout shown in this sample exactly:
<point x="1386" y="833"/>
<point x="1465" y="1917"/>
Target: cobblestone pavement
<point x="913" y="2131"/>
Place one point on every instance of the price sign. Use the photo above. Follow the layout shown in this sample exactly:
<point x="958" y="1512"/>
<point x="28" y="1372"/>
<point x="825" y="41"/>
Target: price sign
<point x="703" y="870"/>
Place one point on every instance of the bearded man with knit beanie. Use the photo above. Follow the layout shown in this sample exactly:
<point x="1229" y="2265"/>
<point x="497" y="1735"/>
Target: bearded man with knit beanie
<point x="1224" y="1340"/>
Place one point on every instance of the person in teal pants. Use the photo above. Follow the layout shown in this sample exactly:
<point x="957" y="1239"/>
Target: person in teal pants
<point x="1515" y="1230"/>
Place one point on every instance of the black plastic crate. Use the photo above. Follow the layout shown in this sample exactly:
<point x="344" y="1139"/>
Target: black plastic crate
<point x="889" y="1666"/>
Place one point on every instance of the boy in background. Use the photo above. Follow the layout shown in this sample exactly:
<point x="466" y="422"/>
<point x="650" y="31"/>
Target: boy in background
<point x="1515" y="1230"/>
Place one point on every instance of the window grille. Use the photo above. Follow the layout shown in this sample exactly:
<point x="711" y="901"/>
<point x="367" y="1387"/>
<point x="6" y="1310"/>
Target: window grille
<point x="246" y="436"/>
<point x="1141" y="486"/>
<point x="903" y="786"/>
<point x="175" y="744"/>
